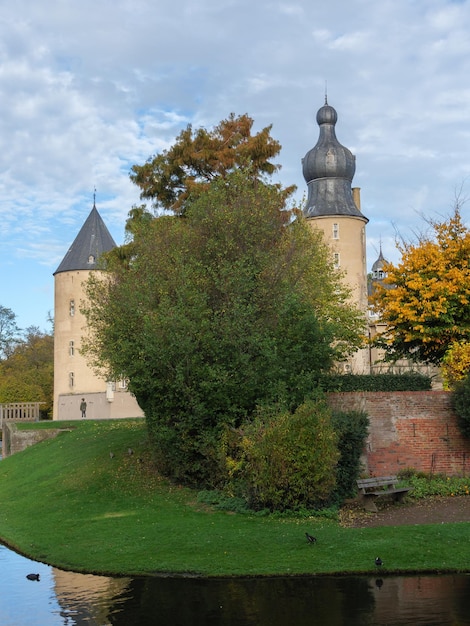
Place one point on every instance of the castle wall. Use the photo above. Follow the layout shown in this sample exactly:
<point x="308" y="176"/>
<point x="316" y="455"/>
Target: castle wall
<point x="416" y="429"/>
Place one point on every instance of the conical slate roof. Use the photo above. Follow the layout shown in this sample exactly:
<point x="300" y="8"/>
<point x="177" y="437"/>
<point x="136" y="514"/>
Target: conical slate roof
<point x="92" y="240"/>
<point x="328" y="170"/>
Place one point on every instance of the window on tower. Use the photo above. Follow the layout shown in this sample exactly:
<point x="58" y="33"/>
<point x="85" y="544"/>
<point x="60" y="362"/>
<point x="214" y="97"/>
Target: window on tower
<point x="335" y="231"/>
<point x="71" y="348"/>
<point x="72" y="308"/>
<point x="71" y="379"/>
<point x="336" y="260"/>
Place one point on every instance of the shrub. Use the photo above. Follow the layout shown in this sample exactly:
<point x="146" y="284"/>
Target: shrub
<point x="351" y="428"/>
<point x="290" y="458"/>
<point x="456" y="364"/>
<point x="412" y="381"/>
<point x="428" y="485"/>
<point x="461" y="404"/>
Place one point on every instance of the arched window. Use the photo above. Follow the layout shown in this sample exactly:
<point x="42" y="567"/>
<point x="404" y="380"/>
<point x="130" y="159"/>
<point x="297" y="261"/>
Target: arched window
<point x="335" y="231"/>
<point x="336" y="261"/>
<point x="71" y="379"/>
<point x="71" y="348"/>
<point x="72" y="308"/>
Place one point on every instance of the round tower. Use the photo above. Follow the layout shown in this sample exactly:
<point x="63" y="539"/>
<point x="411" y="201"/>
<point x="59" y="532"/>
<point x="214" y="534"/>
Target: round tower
<point x="74" y="380"/>
<point x="333" y="206"/>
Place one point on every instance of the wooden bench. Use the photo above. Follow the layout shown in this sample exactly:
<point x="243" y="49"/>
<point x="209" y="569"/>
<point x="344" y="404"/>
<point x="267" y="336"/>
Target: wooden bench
<point x="379" y="486"/>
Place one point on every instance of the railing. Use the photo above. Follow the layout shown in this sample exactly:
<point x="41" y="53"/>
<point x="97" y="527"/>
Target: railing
<point x="25" y="411"/>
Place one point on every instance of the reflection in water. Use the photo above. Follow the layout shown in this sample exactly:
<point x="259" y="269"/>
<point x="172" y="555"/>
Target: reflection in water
<point x="67" y="598"/>
<point x="87" y="599"/>
<point x="322" y="601"/>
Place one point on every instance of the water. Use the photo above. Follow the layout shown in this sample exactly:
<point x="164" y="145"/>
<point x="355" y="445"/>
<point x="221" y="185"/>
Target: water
<point x="67" y="598"/>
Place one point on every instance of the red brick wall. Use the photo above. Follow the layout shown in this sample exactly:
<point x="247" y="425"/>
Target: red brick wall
<point x="415" y="429"/>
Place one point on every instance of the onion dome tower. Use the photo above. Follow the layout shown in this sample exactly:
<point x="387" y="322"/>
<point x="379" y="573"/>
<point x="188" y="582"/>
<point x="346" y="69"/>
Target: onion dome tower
<point x="328" y="169"/>
<point x="73" y="378"/>
<point x="333" y="206"/>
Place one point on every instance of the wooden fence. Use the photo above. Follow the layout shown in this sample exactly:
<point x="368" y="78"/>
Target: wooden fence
<point x="24" y="411"/>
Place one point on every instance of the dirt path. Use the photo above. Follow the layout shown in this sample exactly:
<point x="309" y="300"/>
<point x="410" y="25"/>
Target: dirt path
<point x="429" y="511"/>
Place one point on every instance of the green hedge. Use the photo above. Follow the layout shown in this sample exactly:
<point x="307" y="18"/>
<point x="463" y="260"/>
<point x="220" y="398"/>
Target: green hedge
<point x="375" y="382"/>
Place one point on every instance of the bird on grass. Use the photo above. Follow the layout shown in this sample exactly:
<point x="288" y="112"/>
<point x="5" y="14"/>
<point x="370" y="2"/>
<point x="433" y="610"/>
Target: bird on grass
<point x="378" y="561"/>
<point x="130" y="451"/>
<point x="111" y="455"/>
<point x="32" y="577"/>
<point x="310" y="538"/>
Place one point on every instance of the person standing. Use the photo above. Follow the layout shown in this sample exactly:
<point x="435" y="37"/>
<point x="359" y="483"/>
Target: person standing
<point x="83" y="407"/>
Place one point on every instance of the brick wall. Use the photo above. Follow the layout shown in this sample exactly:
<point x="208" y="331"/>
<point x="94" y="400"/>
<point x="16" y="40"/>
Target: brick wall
<point x="415" y="429"/>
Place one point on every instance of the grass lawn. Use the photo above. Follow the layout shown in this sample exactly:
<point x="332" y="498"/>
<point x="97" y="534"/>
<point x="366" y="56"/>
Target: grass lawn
<point x="66" y="502"/>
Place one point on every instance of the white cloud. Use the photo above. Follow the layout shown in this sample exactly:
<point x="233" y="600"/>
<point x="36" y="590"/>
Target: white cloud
<point x="89" y="88"/>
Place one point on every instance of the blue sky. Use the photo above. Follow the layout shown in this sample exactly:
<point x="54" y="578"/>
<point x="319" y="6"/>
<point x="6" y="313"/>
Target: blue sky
<point x="89" y="88"/>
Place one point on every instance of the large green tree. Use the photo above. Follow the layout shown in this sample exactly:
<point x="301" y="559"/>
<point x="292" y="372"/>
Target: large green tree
<point x="425" y="299"/>
<point x="199" y="156"/>
<point x="232" y="306"/>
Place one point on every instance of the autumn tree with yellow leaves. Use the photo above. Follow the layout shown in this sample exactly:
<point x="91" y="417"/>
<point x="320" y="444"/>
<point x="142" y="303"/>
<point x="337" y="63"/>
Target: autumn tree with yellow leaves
<point x="425" y="299"/>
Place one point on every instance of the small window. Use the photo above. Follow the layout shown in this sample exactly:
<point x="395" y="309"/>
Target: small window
<point x="71" y="348"/>
<point x="72" y="308"/>
<point x="71" y="379"/>
<point x="335" y="231"/>
<point x="336" y="262"/>
<point x="91" y="259"/>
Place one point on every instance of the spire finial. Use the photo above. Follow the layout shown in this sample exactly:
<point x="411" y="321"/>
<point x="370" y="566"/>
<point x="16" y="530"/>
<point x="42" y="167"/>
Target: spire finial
<point x="94" y="198"/>
<point x="326" y="92"/>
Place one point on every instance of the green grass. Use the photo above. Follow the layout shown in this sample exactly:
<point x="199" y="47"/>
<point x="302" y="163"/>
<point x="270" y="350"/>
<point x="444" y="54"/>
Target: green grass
<point x="66" y="502"/>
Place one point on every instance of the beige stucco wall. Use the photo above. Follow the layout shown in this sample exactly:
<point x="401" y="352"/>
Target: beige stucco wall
<point x="69" y="328"/>
<point x="346" y="236"/>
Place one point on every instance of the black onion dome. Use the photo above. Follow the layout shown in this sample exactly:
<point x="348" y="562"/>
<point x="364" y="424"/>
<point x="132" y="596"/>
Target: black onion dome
<point x="328" y="169"/>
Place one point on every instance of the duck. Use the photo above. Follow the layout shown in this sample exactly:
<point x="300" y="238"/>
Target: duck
<point x="32" y="577"/>
<point x="310" y="538"/>
<point x="378" y="561"/>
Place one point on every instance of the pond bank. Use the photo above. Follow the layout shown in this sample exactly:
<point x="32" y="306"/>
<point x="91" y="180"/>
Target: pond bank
<point x="70" y="503"/>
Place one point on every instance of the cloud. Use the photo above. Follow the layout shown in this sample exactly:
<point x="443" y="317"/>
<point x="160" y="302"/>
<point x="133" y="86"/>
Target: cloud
<point x="87" y="89"/>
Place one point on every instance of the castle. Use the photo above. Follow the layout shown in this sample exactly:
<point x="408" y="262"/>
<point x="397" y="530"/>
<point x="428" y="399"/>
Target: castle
<point x="333" y="206"/>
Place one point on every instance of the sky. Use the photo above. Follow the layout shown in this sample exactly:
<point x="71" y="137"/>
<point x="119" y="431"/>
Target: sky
<point x="90" y="88"/>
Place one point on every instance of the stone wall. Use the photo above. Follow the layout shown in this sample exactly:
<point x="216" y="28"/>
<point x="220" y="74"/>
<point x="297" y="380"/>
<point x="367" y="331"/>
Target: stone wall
<point x="14" y="440"/>
<point x="416" y="429"/>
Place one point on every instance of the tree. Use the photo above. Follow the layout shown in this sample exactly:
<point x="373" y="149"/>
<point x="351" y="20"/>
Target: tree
<point x="425" y="299"/>
<point x="198" y="157"/>
<point x="234" y="306"/>
<point x="27" y="375"/>
<point x="9" y="331"/>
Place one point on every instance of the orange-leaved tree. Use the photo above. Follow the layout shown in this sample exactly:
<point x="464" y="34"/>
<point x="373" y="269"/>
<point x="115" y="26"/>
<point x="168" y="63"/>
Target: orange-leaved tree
<point x="199" y="156"/>
<point x="425" y="299"/>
